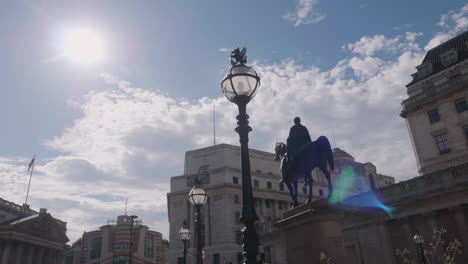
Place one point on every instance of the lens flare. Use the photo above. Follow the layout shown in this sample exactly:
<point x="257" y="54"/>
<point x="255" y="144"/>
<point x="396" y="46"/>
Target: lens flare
<point x="342" y="192"/>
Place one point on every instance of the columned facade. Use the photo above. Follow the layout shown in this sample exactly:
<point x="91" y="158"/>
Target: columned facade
<point x="28" y="237"/>
<point x="18" y="252"/>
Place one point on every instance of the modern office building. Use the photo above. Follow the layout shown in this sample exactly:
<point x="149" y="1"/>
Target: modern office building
<point x="436" y="111"/>
<point x="27" y="236"/>
<point x="217" y="168"/>
<point x="118" y="242"/>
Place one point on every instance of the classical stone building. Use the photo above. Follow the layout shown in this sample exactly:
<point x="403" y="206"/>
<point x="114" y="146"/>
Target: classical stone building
<point x="436" y="111"/>
<point x="437" y="118"/>
<point x="218" y="170"/>
<point x="30" y="237"/>
<point x="118" y="242"/>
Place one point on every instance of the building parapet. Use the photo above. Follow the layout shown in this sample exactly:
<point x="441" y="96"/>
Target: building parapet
<point x="15" y="208"/>
<point x="423" y="185"/>
<point x="432" y="92"/>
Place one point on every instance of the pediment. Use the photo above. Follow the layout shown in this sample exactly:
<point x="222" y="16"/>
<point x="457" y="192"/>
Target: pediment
<point x="43" y="226"/>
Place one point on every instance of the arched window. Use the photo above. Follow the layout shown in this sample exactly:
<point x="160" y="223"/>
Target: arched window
<point x="371" y="182"/>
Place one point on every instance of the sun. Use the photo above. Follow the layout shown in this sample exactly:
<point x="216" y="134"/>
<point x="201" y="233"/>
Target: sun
<point x="83" y="46"/>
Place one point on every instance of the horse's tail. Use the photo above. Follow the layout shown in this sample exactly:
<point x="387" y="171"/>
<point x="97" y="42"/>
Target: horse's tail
<point x="327" y="150"/>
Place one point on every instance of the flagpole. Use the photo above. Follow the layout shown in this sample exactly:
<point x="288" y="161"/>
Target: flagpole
<point x="30" y="177"/>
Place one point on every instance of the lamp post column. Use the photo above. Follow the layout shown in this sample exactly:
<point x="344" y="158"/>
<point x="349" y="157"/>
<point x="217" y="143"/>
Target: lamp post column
<point x="249" y="215"/>
<point x="199" y="244"/>
<point x="185" y="251"/>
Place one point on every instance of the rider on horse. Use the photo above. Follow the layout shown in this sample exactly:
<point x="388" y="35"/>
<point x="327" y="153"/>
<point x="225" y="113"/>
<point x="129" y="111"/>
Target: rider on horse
<point x="298" y="139"/>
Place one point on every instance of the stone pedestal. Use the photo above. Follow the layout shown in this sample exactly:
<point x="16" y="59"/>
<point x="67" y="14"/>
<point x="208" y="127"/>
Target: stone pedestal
<point x="311" y="229"/>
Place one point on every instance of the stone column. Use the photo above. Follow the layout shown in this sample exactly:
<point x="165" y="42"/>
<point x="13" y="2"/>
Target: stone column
<point x="19" y="256"/>
<point x="462" y="227"/>
<point x="30" y="254"/>
<point x="58" y="257"/>
<point x="39" y="257"/>
<point x="47" y="255"/>
<point x="6" y="253"/>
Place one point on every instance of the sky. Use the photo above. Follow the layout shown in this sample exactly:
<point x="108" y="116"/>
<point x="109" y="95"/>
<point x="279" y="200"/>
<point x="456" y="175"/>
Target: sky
<point x="118" y="125"/>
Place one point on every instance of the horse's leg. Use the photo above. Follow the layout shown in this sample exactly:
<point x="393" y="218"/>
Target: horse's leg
<point x="327" y="175"/>
<point x="309" y="179"/>
<point x="295" y="203"/>
<point x="291" y="190"/>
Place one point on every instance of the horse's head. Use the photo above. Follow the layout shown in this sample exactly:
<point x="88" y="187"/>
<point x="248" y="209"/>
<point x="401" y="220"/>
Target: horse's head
<point x="280" y="150"/>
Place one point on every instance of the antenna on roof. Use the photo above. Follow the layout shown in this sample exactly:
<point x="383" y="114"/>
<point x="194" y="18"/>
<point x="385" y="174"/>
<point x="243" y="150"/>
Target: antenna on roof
<point x="126" y="205"/>
<point x="334" y="140"/>
<point x="214" y="124"/>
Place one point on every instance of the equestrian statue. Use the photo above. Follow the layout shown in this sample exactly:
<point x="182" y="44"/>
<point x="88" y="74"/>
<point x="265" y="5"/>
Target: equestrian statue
<point x="300" y="156"/>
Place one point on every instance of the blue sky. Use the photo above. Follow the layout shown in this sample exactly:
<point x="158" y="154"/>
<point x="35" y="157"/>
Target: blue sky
<point x="341" y="65"/>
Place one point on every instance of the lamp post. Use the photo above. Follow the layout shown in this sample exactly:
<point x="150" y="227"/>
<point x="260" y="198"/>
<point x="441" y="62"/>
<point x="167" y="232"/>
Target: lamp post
<point x="240" y="86"/>
<point x="132" y="217"/>
<point x="419" y="240"/>
<point x="185" y="235"/>
<point x="198" y="197"/>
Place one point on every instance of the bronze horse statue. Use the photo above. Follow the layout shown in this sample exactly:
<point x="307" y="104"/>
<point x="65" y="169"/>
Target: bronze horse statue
<point x="315" y="154"/>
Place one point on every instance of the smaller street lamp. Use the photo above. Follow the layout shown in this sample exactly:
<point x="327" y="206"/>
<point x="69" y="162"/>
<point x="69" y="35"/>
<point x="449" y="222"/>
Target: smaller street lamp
<point x="198" y="197"/>
<point x="185" y="235"/>
<point x="419" y="240"/>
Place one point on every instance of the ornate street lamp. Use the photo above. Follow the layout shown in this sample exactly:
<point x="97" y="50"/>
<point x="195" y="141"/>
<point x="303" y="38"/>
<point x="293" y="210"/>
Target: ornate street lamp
<point x="198" y="197"/>
<point x="239" y="86"/>
<point x="419" y="240"/>
<point x="185" y="235"/>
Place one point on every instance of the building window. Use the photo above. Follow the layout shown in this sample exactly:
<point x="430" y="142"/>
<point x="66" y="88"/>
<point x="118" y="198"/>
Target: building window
<point x="442" y="143"/>
<point x="465" y="129"/>
<point x="267" y="203"/>
<point x="449" y="58"/>
<point x="269" y="186"/>
<point x="180" y="260"/>
<point x="280" y="205"/>
<point x="433" y="116"/>
<point x="235" y="180"/>
<point x="371" y="182"/>
<point x="258" y="203"/>
<point x="239" y="237"/>
<point x="216" y="258"/>
<point x="240" y="258"/>
<point x="236" y="198"/>
<point x="424" y="70"/>
<point x="95" y="248"/>
<point x="149" y="247"/>
<point x="460" y="105"/>
<point x="304" y="190"/>
<point x="256" y="184"/>
<point x="321" y="192"/>
<point x="281" y="185"/>
<point x="120" y="260"/>
<point x="236" y="217"/>
<point x="69" y="259"/>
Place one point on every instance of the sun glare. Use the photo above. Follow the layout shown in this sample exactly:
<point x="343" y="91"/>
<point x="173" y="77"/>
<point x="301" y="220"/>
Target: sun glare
<point x="83" y="46"/>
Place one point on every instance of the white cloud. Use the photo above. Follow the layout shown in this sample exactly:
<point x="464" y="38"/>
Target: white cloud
<point x="225" y="50"/>
<point x="305" y="13"/>
<point x="452" y="23"/>
<point x="368" y="45"/>
<point x="129" y="141"/>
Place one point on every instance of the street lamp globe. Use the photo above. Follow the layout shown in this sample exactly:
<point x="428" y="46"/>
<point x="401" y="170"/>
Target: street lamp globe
<point x="184" y="232"/>
<point x="197" y="196"/>
<point x="418" y="239"/>
<point x="241" y="82"/>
